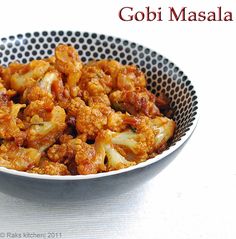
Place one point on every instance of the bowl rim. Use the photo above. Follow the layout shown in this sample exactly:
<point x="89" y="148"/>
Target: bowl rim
<point x="114" y="172"/>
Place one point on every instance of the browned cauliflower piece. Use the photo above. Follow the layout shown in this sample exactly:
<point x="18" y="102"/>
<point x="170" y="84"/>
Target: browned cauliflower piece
<point x="71" y="152"/>
<point x="135" y="102"/>
<point x="148" y="136"/>
<point x="4" y="93"/>
<point x="129" y="78"/>
<point x="42" y="108"/>
<point x="94" y="82"/>
<point x="109" y="67"/>
<point x="89" y="120"/>
<point x="68" y="62"/>
<point x="65" y="151"/>
<point x="85" y="160"/>
<point x="163" y="129"/>
<point x="18" y="158"/>
<point x="34" y="93"/>
<point x="10" y="124"/>
<point x="50" y="168"/>
<point x="49" y="87"/>
<point x="7" y="72"/>
<point x="104" y="149"/>
<point x="28" y="75"/>
<point x="43" y="133"/>
<point x="117" y="121"/>
<point x="99" y="99"/>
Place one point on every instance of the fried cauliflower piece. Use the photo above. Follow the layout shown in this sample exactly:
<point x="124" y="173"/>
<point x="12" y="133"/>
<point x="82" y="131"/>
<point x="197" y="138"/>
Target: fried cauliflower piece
<point x="34" y="93"/>
<point x="42" y="134"/>
<point x="68" y="62"/>
<point x="18" y="158"/>
<point x="108" y="75"/>
<point x="129" y="78"/>
<point x="109" y="67"/>
<point x="46" y="82"/>
<point x="89" y="120"/>
<point x="4" y="93"/>
<point x="117" y="121"/>
<point x="50" y="168"/>
<point x="99" y="99"/>
<point x="10" y="124"/>
<point x="65" y="151"/>
<point x="75" y="153"/>
<point x="138" y="102"/>
<point x="50" y="87"/>
<point x="104" y="149"/>
<point x="85" y="160"/>
<point x="28" y="75"/>
<point x="42" y="108"/>
<point x="163" y="129"/>
<point x="150" y="135"/>
<point x="7" y="72"/>
<point x="94" y="82"/>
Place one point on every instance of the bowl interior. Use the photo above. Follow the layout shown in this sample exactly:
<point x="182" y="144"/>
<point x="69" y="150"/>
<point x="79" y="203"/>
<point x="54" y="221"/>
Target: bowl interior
<point x="162" y="75"/>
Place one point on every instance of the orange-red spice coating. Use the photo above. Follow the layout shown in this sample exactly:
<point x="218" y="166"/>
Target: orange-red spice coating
<point x="60" y="116"/>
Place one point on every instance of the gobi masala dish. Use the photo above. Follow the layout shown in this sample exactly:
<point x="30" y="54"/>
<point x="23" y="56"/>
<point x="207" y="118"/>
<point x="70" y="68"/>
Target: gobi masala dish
<point x="59" y="116"/>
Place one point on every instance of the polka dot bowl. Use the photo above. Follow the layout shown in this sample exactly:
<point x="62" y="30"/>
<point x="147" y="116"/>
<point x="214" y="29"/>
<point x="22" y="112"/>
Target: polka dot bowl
<point x="162" y="76"/>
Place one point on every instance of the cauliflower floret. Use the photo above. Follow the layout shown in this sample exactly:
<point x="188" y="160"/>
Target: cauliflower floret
<point x="99" y="99"/>
<point x="89" y="120"/>
<point x="42" y="108"/>
<point x="4" y="93"/>
<point x="46" y="82"/>
<point x="18" y="158"/>
<point x="94" y="82"/>
<point x="7" y="72"/>
<point x="109" y="67"/>
<point x="117" y="121"/>
<point x="34" y="93"/>
<point x="104" y="149"/>
<point x="86" y="160"/>
<point x="163" y="129"/>
<point x="137" y="102"/>
<point x="150" y="135"/>
<point x="41" y="135"/>
<point x="71" y="153"/>
<point x="10" y="124"/>
<point x="50" y="168"/>
<point x="65" y="151"/>
<point x="129" y="78"/>
<point x="68" y="62"/>
<point x="50" y="87"/>
<point x="135" y="145"/>
<point x="115" y="160"/>
<point x="27" y="77"/>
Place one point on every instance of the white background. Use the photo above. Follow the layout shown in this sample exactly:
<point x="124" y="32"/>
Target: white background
<point x="195" y="196"/>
